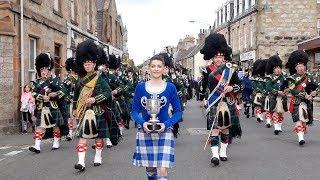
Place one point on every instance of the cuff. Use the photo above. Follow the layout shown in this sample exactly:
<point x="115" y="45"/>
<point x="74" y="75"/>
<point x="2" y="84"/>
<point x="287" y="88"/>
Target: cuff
<point x="60" y="94"/>
<point x="99" y="98"/>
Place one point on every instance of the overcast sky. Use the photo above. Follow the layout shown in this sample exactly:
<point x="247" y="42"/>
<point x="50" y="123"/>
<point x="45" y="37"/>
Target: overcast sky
<point x="154" y="24"/>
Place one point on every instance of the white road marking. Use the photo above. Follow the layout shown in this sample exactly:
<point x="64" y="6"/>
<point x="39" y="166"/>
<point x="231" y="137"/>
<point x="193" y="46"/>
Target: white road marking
<point x="2" y="159"/>
<point x="12" y="153"/>
<point x="5" y="147"/>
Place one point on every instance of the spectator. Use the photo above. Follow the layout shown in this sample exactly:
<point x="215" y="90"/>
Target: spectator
<point x="27" y="107"/>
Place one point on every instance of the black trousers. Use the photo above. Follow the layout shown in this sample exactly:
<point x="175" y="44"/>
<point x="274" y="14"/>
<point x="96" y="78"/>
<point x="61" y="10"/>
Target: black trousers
<point x="26" y="116"/>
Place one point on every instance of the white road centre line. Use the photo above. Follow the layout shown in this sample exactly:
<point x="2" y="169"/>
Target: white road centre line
<point x="5" y="147"/>
<point x="12" y="153"/>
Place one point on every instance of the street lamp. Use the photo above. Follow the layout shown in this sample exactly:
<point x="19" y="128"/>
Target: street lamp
<point x="194" y="21"/>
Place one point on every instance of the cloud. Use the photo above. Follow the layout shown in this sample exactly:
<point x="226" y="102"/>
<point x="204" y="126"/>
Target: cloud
<point x="154" y="24"/>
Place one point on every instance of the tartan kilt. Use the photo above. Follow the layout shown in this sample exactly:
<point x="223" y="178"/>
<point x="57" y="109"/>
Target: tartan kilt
<point x="102" y="127"/>
<point x="234" y="129"/>
<point x="295" y="113"/>
<point x="115" y="112"/>
<point x="154" y="150"/>
<point x="273" y="103"/>
<point x="124" y="107"/>
<point x="56" y="115"/>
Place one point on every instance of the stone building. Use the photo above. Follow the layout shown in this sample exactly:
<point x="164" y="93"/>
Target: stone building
<point x="37" y="26"/>
<point x="261" y="28"/>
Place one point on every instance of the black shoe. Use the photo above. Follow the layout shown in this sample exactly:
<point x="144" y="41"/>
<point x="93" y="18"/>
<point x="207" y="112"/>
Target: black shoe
<point x="245" y="113"/>
<point x="276" y="132"/>
<point x="215" y="161"/>
<point x="54" y="148"/>
<point x="68" y="138"/>
<point x="96" y="164"/>
<point x="175" y="136"/>
<point x="24" y="131"/>
<point x="223" y="158"/>
<point x="268" y="125"/>
<point x="253" y="115"/>
<point x="79" y="167"/>
<point x="32" y="149"/>
<point x="259" y="120"/>
<point x="248" y="115"/>
<point x="302" y="142"/>
<point x="127" y="126"/>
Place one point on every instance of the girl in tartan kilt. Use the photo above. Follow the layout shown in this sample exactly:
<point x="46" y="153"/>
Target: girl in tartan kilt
<point x="223" y="82"/>
<point x="89" y="103"/>
<point x="47" y="90"/>
<point x="155" y="149"/>
<point x="303" y="89"/>
<point x="277" y="87"/>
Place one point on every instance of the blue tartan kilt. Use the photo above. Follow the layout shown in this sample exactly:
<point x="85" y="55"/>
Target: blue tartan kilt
<point x="154" y="150"/>
<point x="56" y="114"/>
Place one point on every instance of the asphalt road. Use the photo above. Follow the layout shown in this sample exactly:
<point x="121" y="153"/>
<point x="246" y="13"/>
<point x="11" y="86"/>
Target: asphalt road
<point x="258" y="155"/>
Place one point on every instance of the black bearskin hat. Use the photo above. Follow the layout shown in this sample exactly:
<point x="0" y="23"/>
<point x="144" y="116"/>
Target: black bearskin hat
<point x="215" y="43"/>
<point x="274" y="61"/>
<point x="296" y="57"/>
<point x="44" y="60"/>
<point x="70" y="64"/>
<point x="261" y="68"/>
<point x="87" y="50"/>
<point x="130" y="69"/>
<point x="114" y="61"/>
<point x="104" y="57"/>
<point x="167" y="60"/>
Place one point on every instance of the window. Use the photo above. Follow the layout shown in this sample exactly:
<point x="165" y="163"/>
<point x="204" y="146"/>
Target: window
<point x="74" y="11"/>
<point x="235" y="6"/>
<point x="239" y="38"/>
<point x="225" y="13"/>
<point x="218" y="18"/>
<point x="32" y="57"/>
<point x="317" y="59"/>
<point x="56" y="59"/>
<point x="56" y="5"/>
<point x="244" y="36"/>
<point x="318" y="27"/>
<point x="251" y="34"/>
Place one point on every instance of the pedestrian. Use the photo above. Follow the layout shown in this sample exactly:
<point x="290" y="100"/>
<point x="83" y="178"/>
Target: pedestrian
<point x="223" y="82"/>
<point x="303" y="89"/>
<point x="47" y="90"/>
<point x="89" y="103"/>
<point x="277" y="88"/>
<point x="247" y="92"/>
<point x="155" y="150"/>
<point x="27" y="108"/>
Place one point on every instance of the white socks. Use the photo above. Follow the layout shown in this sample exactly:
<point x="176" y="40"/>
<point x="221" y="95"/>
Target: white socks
<point x="279" y="126"/>
<point x="97" y="157"/>
<point x="268" y="121"/>
<point x="215" y="151"/>
<point x="37" y="144"/>
<point x="260" y="117"/>
<point x="81" y="156"/>
<point x="300" y="136"/>
<point x="56" y="143"/>
<point x="108" y="142"/>
<point x="121" y="129"/>
<point x="223" y="149"/>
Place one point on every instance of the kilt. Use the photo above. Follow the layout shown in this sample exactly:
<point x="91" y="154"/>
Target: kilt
<point x="295" y="113"/>
<point x="115" y="111"/>
<point x="102" y="127"/>
<point x="273" y="103"/>
<point x="234" y="129"/>
<point x="124" y="107"/>
<point x="154" y="150"/>
<point x="56" y="114"/>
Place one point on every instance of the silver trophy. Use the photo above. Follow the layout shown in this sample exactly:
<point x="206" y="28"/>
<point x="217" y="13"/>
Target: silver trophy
<point x="153" y="106"/>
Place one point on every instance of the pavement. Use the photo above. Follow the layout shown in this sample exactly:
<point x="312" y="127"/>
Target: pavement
<point x="258" y="155"/>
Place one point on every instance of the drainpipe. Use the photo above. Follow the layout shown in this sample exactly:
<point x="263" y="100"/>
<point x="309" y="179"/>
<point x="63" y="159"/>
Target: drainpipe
<point x="21" y="45"/>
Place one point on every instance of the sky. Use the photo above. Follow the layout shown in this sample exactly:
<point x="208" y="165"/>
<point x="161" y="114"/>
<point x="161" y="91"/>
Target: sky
<point x="154" y="24"/>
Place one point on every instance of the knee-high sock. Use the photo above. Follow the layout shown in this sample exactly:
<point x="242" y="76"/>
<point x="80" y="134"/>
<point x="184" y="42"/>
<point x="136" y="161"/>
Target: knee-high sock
<point x="259" y="113"/>
<point x="151" y="173"/>
<point x="56" y="139"/>
<point x="81" y="149"/>
<point x="214" y="146"/>
<point x="70" y="126"/>
<point x="300" y="132"/>
<point x="275" y="119"/>
<point x="37" y="137"/>
<point x="268" y="117"/>
<point x="281" y="118"/>
<point x="224" y="145"/>
<point x="99" y="147"/>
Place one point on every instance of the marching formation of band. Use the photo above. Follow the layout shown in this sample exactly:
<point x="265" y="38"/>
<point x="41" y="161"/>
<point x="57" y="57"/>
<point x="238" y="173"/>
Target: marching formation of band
<point x="99" y="94"/>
